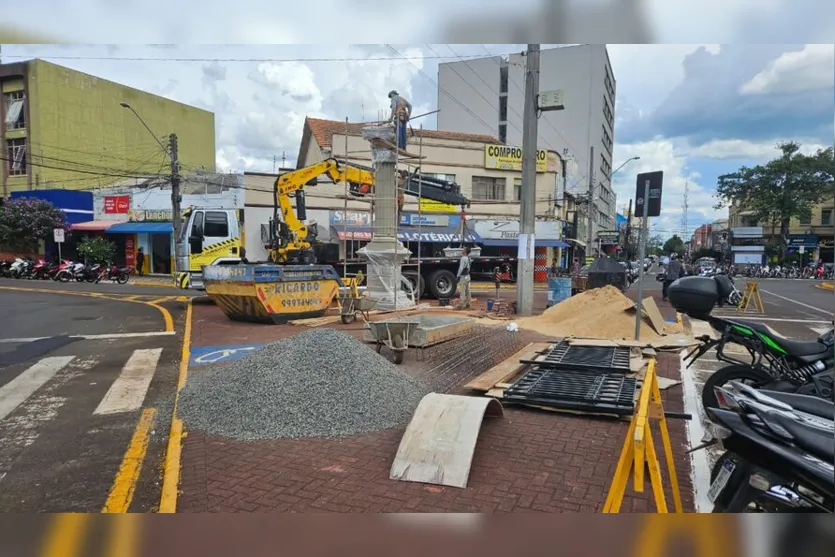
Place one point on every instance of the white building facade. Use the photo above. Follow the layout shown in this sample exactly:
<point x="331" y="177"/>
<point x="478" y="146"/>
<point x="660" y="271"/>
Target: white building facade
<point x="491" y="91"/>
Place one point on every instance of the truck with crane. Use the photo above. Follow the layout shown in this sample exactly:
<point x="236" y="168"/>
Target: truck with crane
<point x="215" y="236"/>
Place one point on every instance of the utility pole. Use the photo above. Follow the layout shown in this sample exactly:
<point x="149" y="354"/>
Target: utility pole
<point x="590" y="205"/>
<point x="527" y="240"/>
<point x="628" y="235"/>
<point x="175" y="200"/>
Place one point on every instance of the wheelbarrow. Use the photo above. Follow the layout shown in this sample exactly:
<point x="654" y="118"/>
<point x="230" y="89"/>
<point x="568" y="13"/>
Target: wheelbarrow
<point x="350" y="306"/>
<point x="394" y="335"/>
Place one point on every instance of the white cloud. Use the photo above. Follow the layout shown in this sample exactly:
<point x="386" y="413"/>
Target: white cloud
<point x="665" y="155"/>
<point x="806" y="70"/>
<point x="741" y="149"/>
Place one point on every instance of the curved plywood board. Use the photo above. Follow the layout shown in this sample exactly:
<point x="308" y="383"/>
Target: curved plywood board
<point x="438" y="445"/>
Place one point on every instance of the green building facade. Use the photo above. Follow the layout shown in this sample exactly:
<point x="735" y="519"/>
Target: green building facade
<point x="61" y="128"/>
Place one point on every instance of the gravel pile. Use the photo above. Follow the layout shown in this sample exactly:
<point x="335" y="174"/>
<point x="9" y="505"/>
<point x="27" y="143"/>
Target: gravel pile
<point x="318" y="383"/>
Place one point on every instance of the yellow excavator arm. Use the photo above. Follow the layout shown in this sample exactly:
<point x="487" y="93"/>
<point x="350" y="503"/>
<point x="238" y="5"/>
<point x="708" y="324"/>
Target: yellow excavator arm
<point x="295" y="240"/>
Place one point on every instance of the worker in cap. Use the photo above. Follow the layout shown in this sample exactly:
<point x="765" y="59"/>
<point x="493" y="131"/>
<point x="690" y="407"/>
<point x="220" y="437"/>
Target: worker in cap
<point x="401" y="111"/>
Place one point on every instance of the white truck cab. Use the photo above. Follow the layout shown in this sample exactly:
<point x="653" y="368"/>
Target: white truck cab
<point x="208" y="236"/>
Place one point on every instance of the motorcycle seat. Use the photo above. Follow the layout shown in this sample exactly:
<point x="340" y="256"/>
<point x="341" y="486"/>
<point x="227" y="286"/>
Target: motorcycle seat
<point x="804" y="349"/>
<point x="804" y="403"/>
<point x="815" y="441"/>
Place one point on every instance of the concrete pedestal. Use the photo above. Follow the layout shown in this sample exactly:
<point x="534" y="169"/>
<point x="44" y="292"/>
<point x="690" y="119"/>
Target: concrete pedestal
<point x="385" y="253"/>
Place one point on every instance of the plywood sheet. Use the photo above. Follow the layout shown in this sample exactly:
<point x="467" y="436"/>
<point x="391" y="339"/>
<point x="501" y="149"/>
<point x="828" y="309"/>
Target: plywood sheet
<point x="438" y="444"/>
<point x="654" y="314"/>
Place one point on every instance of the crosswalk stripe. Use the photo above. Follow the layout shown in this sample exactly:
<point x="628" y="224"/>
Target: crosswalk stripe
<point x="16" y="391"/>
<point x="128" y="391"/>
<point x="821" y="330"/>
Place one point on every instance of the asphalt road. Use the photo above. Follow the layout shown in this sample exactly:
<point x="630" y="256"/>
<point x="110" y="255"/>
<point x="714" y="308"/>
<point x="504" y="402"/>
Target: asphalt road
<point x="102" y="287"/>
<point x="79" y="366"/>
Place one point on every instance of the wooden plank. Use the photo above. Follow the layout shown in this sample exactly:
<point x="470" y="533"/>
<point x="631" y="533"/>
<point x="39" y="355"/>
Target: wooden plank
<point x="438" y="444"/>
<point x="505" y="370"/>
<point x="389" y="145"/>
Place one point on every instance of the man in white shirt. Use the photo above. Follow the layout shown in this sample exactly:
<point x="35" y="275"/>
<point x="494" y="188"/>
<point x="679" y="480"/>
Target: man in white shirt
<point x="464" y="280"/>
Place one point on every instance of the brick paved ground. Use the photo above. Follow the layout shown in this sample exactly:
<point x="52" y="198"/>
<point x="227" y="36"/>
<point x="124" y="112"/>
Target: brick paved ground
<point x="528" y="461"/>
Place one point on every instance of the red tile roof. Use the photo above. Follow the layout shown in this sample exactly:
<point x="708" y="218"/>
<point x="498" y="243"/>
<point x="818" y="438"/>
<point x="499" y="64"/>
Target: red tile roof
<point x="324" y="130"/>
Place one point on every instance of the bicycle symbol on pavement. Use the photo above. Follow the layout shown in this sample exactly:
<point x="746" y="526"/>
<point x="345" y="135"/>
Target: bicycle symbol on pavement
<point x="203" y="355"/>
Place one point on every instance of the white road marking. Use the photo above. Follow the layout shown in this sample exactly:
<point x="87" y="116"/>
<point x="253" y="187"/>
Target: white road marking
<point x="105" y="336"/>
<point x="13" y="393"/>
<point x="821" y="330"/>
<point x="796" y="302"/>
<point x="128" y="391"/>
<point x="699" y="465"/>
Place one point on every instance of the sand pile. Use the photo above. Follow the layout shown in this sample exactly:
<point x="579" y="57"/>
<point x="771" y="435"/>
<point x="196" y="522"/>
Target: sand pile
<point x="601" y="313"/>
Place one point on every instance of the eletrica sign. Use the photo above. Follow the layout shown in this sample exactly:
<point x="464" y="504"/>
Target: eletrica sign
<point x="502" y="157"/>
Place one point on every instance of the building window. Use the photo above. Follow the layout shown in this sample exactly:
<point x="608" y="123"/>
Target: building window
<point x="503" y="108"/>
<point x="217" y="226"/>
<point x="503" y="133"/>
<point x="15" y="113"/>
<point x="805" y="219"/>
<point x="16" y="149"/>
<point x="605" y="167"/>
<point x="610" y="86"/>
<point x="488" y="188"/>
<point x="503" y="79"/>
<point x="517" y="189"/>
<point x="607" y="140"/>
<point x="827" y="217"/>
<point x="445" y="177"/>
<point x="607" y="112"/>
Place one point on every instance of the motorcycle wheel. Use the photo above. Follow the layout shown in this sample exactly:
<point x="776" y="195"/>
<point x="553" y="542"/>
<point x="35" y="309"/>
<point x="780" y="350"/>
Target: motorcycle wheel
<point x="63" y="277"/>
<point x="122" y="279"/>
<point x="752" y="376"/>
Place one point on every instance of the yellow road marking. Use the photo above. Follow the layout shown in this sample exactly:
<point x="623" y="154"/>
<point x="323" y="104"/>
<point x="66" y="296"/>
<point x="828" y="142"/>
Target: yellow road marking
<point x="121" y="494"/>
<point x="171" y="471"/>
<point x="166" y="315"/>
<point x="66" y="535"/>
<point x="124" y="539"/>
<point x="163" y="299"/>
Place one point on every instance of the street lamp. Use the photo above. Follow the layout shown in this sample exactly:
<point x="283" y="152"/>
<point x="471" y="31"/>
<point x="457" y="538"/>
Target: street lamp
<point x="138" y="117"/>
<point x="175" y="184"/>
<point x="635" y="158"/>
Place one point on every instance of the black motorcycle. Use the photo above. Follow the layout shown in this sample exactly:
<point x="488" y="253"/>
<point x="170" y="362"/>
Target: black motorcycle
<point x="773" y="362"/>
<point x="779" y="450"/>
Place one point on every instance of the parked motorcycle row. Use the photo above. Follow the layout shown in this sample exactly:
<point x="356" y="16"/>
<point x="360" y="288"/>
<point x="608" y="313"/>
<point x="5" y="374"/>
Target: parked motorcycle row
<point x="821" y="272"/>
<point x="773" y="411"/>
<point x="64" y="271"/>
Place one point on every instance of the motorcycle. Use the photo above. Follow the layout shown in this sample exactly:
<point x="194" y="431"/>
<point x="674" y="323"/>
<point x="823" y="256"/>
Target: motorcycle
<point x="779" y="450"/>
<point x="6" y="268"/>
<point x="115" y="273"/>
<point x="772" y="362"/>
<point x="89" y="273"/>
<point x="63" y="271"/>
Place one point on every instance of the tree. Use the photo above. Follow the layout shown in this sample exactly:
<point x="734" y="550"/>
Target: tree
<point x="23" y="222"/>
<point x="674" y="244"/>
<point x="97" y="249"/>
<point x="782" y="189"/>
<point x="654" y="245"/>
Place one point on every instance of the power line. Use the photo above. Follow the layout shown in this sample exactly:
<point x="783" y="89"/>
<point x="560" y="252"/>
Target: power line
<point x="441" y="89"/>
<point x="230" y="60"/>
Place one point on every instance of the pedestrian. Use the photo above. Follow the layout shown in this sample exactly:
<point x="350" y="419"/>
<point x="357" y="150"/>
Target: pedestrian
<point x="401" y="111"/>
<point x="497" y="279"/>
<point x="675" y="271"/>
<point x="140" y="261"/>
<point x="575" y="267"/>
<point x="464" y="280"/>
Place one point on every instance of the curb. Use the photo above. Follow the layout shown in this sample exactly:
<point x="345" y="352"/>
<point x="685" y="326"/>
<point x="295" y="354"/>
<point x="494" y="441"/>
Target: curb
<point x="826" y="286"/>
<point x="153" y="284"/>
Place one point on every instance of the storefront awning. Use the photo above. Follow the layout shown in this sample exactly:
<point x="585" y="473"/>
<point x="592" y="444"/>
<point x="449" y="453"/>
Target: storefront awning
<point x="577" y="242"/>
<point x="439" y="234"/>
<point x="540" y="242"/>
<point x="93" y="225"/>
<point x="141" y="228"/>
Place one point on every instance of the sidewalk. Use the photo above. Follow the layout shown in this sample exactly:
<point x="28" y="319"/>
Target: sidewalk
<point x="528" y="461"/>
<point x="153" y="280"/>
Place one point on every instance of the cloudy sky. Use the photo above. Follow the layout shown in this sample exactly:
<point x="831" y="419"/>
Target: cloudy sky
<point x="694" y="111"/>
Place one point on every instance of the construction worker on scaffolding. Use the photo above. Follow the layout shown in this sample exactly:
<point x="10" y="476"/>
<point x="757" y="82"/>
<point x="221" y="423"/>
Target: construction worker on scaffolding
<point x="401" y="111"/>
